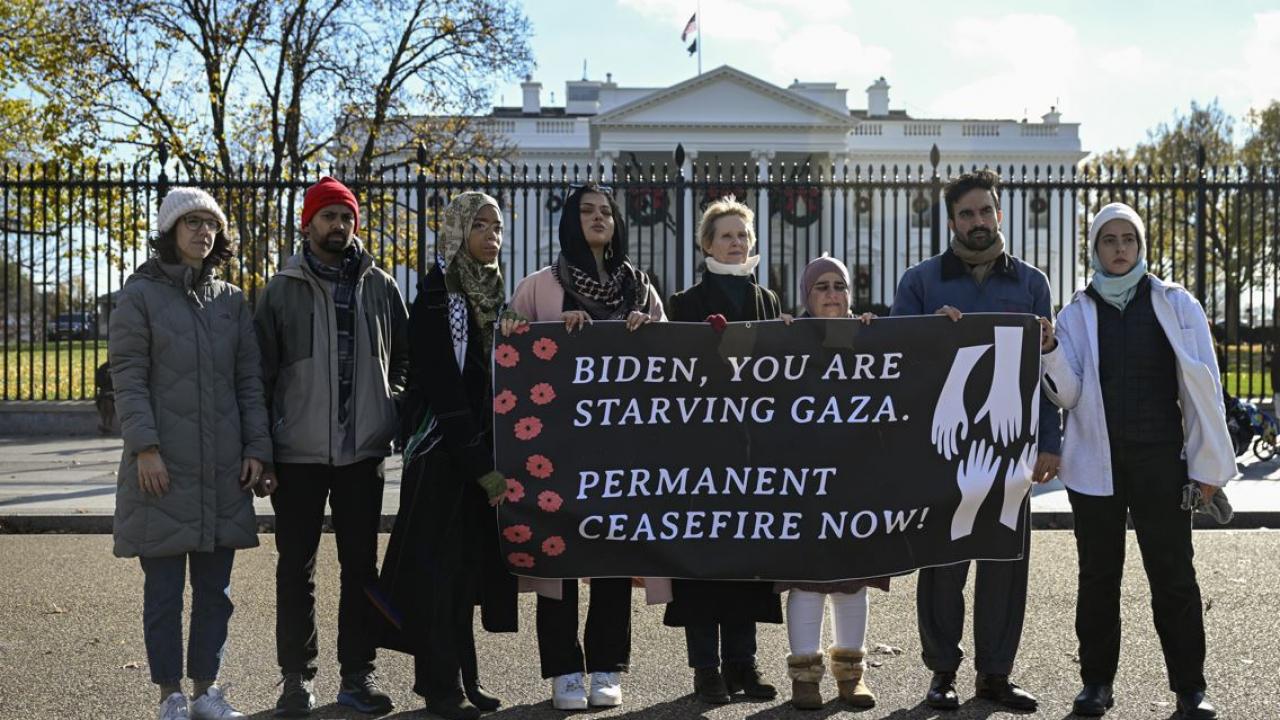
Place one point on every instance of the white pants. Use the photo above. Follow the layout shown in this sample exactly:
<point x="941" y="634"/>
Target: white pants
<point x="804" y="620"/>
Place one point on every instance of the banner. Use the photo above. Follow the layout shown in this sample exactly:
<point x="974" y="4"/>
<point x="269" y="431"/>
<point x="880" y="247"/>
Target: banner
<point x="822" y="450"/>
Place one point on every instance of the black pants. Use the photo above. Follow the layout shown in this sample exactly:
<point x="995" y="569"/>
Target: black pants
<point x="607" y="636"/>
<point x="450" y="655"/>
<point x="999" y="606"/>
<point x="354" y="493"/>
<point x="1148" y="482"/>
<point x="710" y="643"/>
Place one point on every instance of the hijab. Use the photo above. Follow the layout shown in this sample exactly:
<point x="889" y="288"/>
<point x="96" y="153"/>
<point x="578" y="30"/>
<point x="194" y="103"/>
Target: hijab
<point x="480" y="283"/>
<point x="622" y="289"/>
<point x="1117" y="290"/>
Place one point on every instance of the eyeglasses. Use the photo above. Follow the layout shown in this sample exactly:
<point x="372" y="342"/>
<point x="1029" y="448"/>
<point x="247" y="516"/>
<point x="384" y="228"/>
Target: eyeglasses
<point x="195" y="222"/>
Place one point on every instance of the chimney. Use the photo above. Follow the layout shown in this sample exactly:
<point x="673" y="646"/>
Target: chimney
<point x="532" y="96"/>
<point x="878" y="99"/>
<point x="1052" y="117"/>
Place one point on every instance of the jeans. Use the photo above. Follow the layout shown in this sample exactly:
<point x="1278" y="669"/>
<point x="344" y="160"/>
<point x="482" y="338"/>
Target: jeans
<point x="607" y="636"/>
<point x="354" y="493"/>
<point x="162" y="589"/>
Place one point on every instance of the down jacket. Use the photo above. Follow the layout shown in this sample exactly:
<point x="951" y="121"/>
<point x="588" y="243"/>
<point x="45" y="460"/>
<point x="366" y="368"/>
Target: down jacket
<point x="188" y="380"/>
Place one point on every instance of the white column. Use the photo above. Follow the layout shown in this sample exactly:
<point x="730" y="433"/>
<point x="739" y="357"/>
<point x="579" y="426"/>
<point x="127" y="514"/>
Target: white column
<point x="838" y="200"/>
<point x="762" y="158"/>
<point x="689" y="221"/>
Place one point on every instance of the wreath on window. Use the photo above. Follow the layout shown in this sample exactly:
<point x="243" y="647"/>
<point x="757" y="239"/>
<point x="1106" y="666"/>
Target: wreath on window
<point x="800" y="206"/>
<point x="647" y="206"/>
<point x="1039" y="205"/>
<point x="555" y="203"/>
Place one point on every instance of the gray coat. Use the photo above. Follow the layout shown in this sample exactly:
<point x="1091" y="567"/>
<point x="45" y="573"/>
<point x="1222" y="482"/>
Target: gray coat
<point x="188" y="380"/>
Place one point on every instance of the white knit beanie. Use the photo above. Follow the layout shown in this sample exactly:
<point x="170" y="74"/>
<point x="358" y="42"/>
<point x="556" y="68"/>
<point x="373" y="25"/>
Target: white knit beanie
<point x="182" y="200"/>
<point x="1116" y="211"/>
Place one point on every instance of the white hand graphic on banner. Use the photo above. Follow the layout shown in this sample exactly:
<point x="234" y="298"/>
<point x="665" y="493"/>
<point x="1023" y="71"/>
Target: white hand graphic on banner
<point x="975" y="478"/>
<point x="1017" y="481"/>
<point x="1035" y="412"/>
<point x="949" y="418"/>
<point x="1004" y="403"/>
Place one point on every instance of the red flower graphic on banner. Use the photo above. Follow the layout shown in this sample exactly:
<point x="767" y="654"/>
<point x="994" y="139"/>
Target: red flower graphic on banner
<point x="717" y="322"/>
<point x="521" y="329"/>
<point x="503" y="402"/>
<point x="515" y="490"/>
<point x="518" y="534"/>
<point x="528" y="428"/>
<point x="506" y="356"/>
<point x="520" y="560"/>
<point x="545" y="348"/>
<point x="542" y="393"/>
<point x="550" y="500"/>
<point x="539" y="466"/>
<point x="553" y="545"/>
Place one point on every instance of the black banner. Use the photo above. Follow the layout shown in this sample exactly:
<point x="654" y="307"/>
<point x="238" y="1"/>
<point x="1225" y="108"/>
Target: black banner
<point x="823" y="450"/>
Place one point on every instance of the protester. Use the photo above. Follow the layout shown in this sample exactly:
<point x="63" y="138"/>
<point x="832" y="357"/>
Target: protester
<point x="977" y="274"/>
<point x="592" y="279"/>
<point x="719" y="617"/>
<point x="188" y="392"/>
<point x="825" y="289"/>
<point x="1133" y="362"/>
<point x="332" y="327"/>
<point x="443" y="557"/>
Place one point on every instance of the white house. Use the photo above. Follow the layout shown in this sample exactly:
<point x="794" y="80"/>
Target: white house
<point x="878" y="216"/>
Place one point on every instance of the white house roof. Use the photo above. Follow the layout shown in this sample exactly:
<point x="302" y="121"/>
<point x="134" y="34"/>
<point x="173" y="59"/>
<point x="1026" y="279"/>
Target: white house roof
<point x="726" y="98"/>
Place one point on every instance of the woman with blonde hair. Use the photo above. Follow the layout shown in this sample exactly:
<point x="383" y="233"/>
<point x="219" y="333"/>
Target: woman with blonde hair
<point x="719" y="617"/>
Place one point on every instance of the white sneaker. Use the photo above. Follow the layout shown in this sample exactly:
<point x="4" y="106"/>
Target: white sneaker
<point x="569" y="692"/>
<point x="213" y="705"/>
<point x="174" y="707"/>
<point x="606" y="689"/>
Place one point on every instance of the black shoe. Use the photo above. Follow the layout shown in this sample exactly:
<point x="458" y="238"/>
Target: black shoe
<point x="452" y="706"/>
<point x="745" y="677"/>
<point x="1093" y="701"/>
<point x="942" y="692"/>
<point x="361" y="691"/>
<point x="997" y="688"/>
<point x="709" y="686"/>
<point x="297" y="699"/>
<point x="484" y="700"/>
<point x="1193" y="706"/>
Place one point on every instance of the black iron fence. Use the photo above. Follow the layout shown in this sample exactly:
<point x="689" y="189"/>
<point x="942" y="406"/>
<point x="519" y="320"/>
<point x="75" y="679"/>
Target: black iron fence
<point x="72" y="235"/>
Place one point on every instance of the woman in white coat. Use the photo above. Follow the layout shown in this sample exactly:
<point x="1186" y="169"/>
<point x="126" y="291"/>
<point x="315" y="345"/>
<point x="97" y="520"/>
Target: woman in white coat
<point x="1132" y="359"/>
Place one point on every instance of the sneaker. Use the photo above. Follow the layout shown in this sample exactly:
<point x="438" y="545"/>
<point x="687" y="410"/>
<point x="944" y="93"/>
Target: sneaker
<point x="361" y="691"/>
<point x="298" y="697"/>
<point x="213" y="705"/>
<point x="174" y="707"/>
<point x="606" y="689"/>
<point x="569" y="692"/>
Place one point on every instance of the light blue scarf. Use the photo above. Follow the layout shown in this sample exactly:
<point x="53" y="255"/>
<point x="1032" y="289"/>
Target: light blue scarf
<point x="1117" y="290"/>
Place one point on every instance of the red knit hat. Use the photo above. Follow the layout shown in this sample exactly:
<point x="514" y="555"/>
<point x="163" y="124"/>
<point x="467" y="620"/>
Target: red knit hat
<point x="328" y="192"/>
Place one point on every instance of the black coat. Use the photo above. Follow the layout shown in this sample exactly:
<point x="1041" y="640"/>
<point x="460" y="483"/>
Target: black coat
<point x="698" y="602"/>
<point x="445" y="526"/>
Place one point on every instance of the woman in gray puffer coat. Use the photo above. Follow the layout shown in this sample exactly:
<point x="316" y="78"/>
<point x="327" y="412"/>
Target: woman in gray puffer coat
<point x="188" y="381"/>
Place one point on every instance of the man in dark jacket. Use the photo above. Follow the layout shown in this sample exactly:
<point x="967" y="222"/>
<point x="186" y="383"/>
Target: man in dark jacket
<point x="976" y="274"/>
<point x="333" y="331"/>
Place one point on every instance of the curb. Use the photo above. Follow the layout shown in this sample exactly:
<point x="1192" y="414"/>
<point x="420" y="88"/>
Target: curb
<point x="88" y="524"/>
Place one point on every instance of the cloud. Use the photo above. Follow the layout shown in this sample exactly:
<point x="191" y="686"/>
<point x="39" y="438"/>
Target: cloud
<point x="1261" y="55"/>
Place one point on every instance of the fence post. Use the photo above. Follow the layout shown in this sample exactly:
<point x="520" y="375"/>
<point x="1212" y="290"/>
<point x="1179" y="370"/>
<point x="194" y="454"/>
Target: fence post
<point x="162" y="182"/>
<point x="681" y="282"/>
<point x="420" y="188"/>
<point x="1202" y="247"/>
<point x="935" y="227"/>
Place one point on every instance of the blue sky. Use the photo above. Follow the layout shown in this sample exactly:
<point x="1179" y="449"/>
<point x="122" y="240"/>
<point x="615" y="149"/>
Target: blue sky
<point x="1118" y="68"/>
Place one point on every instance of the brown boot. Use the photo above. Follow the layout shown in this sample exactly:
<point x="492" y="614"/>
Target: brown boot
<point x="847" y="668"/>
<point x="806" y="673"/>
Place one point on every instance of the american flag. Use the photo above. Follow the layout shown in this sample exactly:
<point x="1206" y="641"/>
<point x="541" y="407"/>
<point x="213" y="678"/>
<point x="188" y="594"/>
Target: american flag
<point x="689" y="27"/>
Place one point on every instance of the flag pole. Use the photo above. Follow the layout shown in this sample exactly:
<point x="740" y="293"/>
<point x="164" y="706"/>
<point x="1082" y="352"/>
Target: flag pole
<point x="699" y="11"/>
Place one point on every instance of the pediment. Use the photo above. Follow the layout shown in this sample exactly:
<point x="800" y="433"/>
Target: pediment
<point x="724" y="97"/>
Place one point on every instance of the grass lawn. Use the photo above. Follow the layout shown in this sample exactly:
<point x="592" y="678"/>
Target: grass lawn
<point x="56" y="371"/>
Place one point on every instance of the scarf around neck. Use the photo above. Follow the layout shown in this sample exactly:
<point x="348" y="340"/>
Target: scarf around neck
<point x="979" y="262"/>
<point x="480" y="284"/>
<point x="742" y="268"/>
<point x="1116" y="290"/>
<point x="626" y="289"/>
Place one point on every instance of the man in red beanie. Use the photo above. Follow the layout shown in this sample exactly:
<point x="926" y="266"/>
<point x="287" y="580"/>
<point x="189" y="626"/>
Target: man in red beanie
<point x="333" y="333"/>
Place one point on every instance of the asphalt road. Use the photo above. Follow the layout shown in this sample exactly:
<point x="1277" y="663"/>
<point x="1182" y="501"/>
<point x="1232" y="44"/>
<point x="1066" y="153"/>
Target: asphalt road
<point x="71" y="642"/>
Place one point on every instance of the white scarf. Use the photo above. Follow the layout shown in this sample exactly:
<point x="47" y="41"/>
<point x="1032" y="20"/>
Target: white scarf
<point x="742" y="268"/>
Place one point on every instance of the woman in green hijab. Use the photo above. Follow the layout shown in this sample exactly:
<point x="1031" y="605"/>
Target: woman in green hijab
<point x="443" y="557"/>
